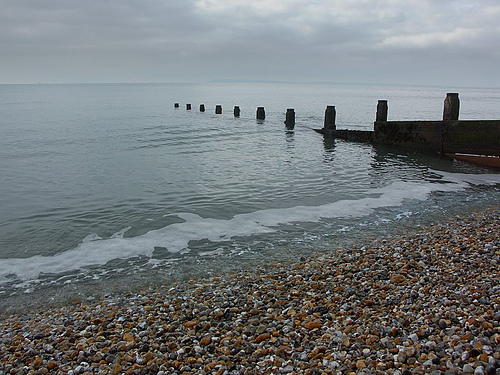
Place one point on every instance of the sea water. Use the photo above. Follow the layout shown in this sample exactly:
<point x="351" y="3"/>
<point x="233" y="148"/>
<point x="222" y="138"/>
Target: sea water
<point x="105" y="187"/>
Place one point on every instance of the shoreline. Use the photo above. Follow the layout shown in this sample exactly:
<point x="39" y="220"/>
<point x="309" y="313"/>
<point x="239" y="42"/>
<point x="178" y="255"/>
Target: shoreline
<point x="425" y="302"/>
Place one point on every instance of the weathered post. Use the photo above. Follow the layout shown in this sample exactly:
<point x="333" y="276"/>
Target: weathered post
<point x="330" y="114"/>
<point x="382" y="110"/>
<point x="451" y="106"/>
<point x="218" y="109"/>
<point x="236" y="111"/>
<point x="290" y="118"/>
<point x="261" y="113"/>
<point x="202" y="107"/>
<point x="188" y="107"/>
<point x="176" y="105"/>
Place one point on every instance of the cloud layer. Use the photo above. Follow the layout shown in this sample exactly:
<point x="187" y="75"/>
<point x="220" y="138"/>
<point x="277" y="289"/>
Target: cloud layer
<point x="447" y="42"/>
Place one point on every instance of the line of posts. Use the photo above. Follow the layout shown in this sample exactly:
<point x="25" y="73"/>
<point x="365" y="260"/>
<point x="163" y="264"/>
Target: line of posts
<point x="329" y="123"/>
<point x="260" y="114"/>
<point x="450" y="112"/>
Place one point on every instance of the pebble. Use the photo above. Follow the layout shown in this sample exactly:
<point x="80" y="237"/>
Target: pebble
<point x="426" y="302"/>
<point x="468" y="369"/>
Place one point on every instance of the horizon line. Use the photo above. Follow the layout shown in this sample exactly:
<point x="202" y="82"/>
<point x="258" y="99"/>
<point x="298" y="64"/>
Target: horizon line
<point x="250" y="81"/>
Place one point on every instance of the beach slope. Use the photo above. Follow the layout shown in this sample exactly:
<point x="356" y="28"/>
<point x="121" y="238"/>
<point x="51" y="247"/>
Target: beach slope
<point x="426" y="302"/>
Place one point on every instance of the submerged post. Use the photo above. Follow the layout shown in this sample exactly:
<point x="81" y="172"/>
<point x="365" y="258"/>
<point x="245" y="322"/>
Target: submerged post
<point x="382" y="110"/>
<point x="261" y="113"/>
<point x="290" y="118"/>
<point x="188" y="107"/>
<point x="176" y="105"/>
<point x="330" y="115"/>
<point x="451" y="106"/>
<point x="202" y="107"/>
<point x="218" y="109"/>
<point x="236" y="111"/>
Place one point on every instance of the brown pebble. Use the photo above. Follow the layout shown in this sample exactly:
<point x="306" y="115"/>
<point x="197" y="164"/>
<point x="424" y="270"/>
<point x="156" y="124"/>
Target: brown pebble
<point x="312" y="325"/>
<point x="487" y="325"/>
<point x="38" y="362"/>
<point x="360" y="364"/>
<point x="205" y="341"/>
<point x="262" y="337"/>
<point x="117" y="368"/>
<point x="128" y="337"/>
<point x="398" y="279"/>
<point x="483" y="357"/>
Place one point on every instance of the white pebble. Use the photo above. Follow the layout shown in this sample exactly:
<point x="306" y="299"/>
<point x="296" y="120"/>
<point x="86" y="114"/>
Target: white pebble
<point x="413" y="337"/>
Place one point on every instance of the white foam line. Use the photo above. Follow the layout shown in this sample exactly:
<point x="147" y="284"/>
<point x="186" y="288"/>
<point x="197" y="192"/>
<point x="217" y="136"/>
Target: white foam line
<point x="176" y="237"/>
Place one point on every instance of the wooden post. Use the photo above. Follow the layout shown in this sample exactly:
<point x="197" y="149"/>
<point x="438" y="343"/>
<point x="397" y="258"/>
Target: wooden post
<point x="236" y="111"/>
<point x="188" y="107"/>
<point x="261" y="113"/>
<point x="451" y="106"/>
<point x="202" y="107"/>
<point x="176" y="105"/>
<point x="290" y="118"/>
<point x="382" y="110"/>
<point x="218" y="109"/>
<point x="330" y="114"/>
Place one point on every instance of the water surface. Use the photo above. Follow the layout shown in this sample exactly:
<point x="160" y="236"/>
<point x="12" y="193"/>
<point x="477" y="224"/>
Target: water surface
<point x="103" y="186"/>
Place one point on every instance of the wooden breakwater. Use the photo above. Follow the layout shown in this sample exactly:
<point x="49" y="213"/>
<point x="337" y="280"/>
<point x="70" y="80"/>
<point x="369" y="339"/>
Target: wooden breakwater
<point x="448" y="136"/>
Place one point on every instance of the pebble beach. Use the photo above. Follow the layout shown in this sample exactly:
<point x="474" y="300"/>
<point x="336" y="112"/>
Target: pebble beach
<point x="427" y="302"/>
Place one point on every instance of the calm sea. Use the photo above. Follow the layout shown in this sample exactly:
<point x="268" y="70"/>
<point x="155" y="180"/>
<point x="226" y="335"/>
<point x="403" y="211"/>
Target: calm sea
<point x="105" y="187"/>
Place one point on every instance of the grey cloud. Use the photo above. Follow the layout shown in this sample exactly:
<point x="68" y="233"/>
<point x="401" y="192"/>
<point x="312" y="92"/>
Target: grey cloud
<point x="120" y="40"/>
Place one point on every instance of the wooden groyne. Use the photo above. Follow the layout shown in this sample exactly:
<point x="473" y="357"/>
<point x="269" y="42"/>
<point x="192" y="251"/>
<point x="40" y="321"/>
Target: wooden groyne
<point x="447" y="136"/>
<point x="471" y="140"/>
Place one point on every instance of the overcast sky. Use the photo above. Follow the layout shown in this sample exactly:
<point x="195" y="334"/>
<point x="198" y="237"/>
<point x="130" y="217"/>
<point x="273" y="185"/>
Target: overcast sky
<point x="438" y="42"/>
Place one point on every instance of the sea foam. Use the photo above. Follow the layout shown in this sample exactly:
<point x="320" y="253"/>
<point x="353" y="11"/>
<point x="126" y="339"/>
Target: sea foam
<point x="94" y="251"/>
